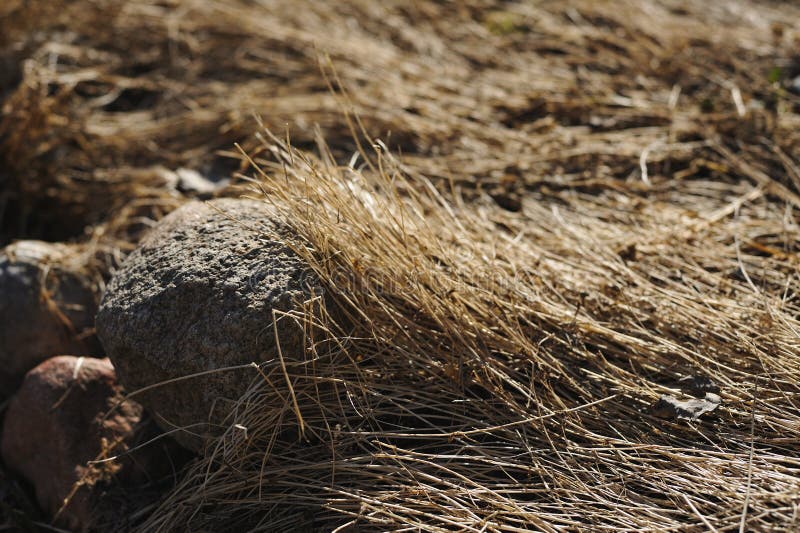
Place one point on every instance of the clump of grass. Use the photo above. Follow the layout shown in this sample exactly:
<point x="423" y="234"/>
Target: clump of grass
<point x="490" y="371"/>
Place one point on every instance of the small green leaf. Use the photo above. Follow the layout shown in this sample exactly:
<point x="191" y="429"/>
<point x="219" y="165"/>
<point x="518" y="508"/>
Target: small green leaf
<point x="504" y="23"/>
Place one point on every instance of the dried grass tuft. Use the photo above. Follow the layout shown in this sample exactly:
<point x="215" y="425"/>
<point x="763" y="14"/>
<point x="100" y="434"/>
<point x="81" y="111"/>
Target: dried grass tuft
<point x="497" y="372"/>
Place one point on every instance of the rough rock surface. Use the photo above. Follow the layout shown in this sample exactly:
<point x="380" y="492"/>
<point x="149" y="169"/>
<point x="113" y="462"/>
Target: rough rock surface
<point x="47" y="307"/>
<point x="197" y="295"/>
<point x="55" y="424"/>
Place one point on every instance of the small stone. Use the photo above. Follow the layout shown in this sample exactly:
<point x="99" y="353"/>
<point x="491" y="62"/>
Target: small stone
<point x="670" y="407"/>
<point x="191" y="182"/>
<point x="47" y="307"/>
<point x="199" y="295"/>
<point x="56" y="424"/>
<point x="794" y="85"/>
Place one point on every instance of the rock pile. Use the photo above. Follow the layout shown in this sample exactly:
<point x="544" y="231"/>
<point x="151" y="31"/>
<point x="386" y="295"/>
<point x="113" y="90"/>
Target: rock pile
<point x="212" y="286"/>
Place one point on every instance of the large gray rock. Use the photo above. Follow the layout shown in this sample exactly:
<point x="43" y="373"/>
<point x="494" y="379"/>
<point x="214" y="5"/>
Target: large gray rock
<point x="47" y="305"/>
<point x="199" y="294"/>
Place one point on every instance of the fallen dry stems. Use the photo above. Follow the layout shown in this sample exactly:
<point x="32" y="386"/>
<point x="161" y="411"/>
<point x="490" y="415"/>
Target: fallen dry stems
<point x="493" y="371"/>
<point x="526" y="97"/>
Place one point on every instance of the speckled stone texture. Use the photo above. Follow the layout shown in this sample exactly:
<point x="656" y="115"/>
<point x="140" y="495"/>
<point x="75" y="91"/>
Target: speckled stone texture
<point x="199" y="294"/>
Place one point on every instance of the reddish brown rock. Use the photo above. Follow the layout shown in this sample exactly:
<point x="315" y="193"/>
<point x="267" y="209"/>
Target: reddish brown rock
<point x="48" y="298"/>
<point x="57" y="422"/>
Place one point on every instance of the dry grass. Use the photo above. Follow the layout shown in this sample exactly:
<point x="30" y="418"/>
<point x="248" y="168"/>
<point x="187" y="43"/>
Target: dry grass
<point x="587" y="203"/>
<point x="500" y="368"/>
